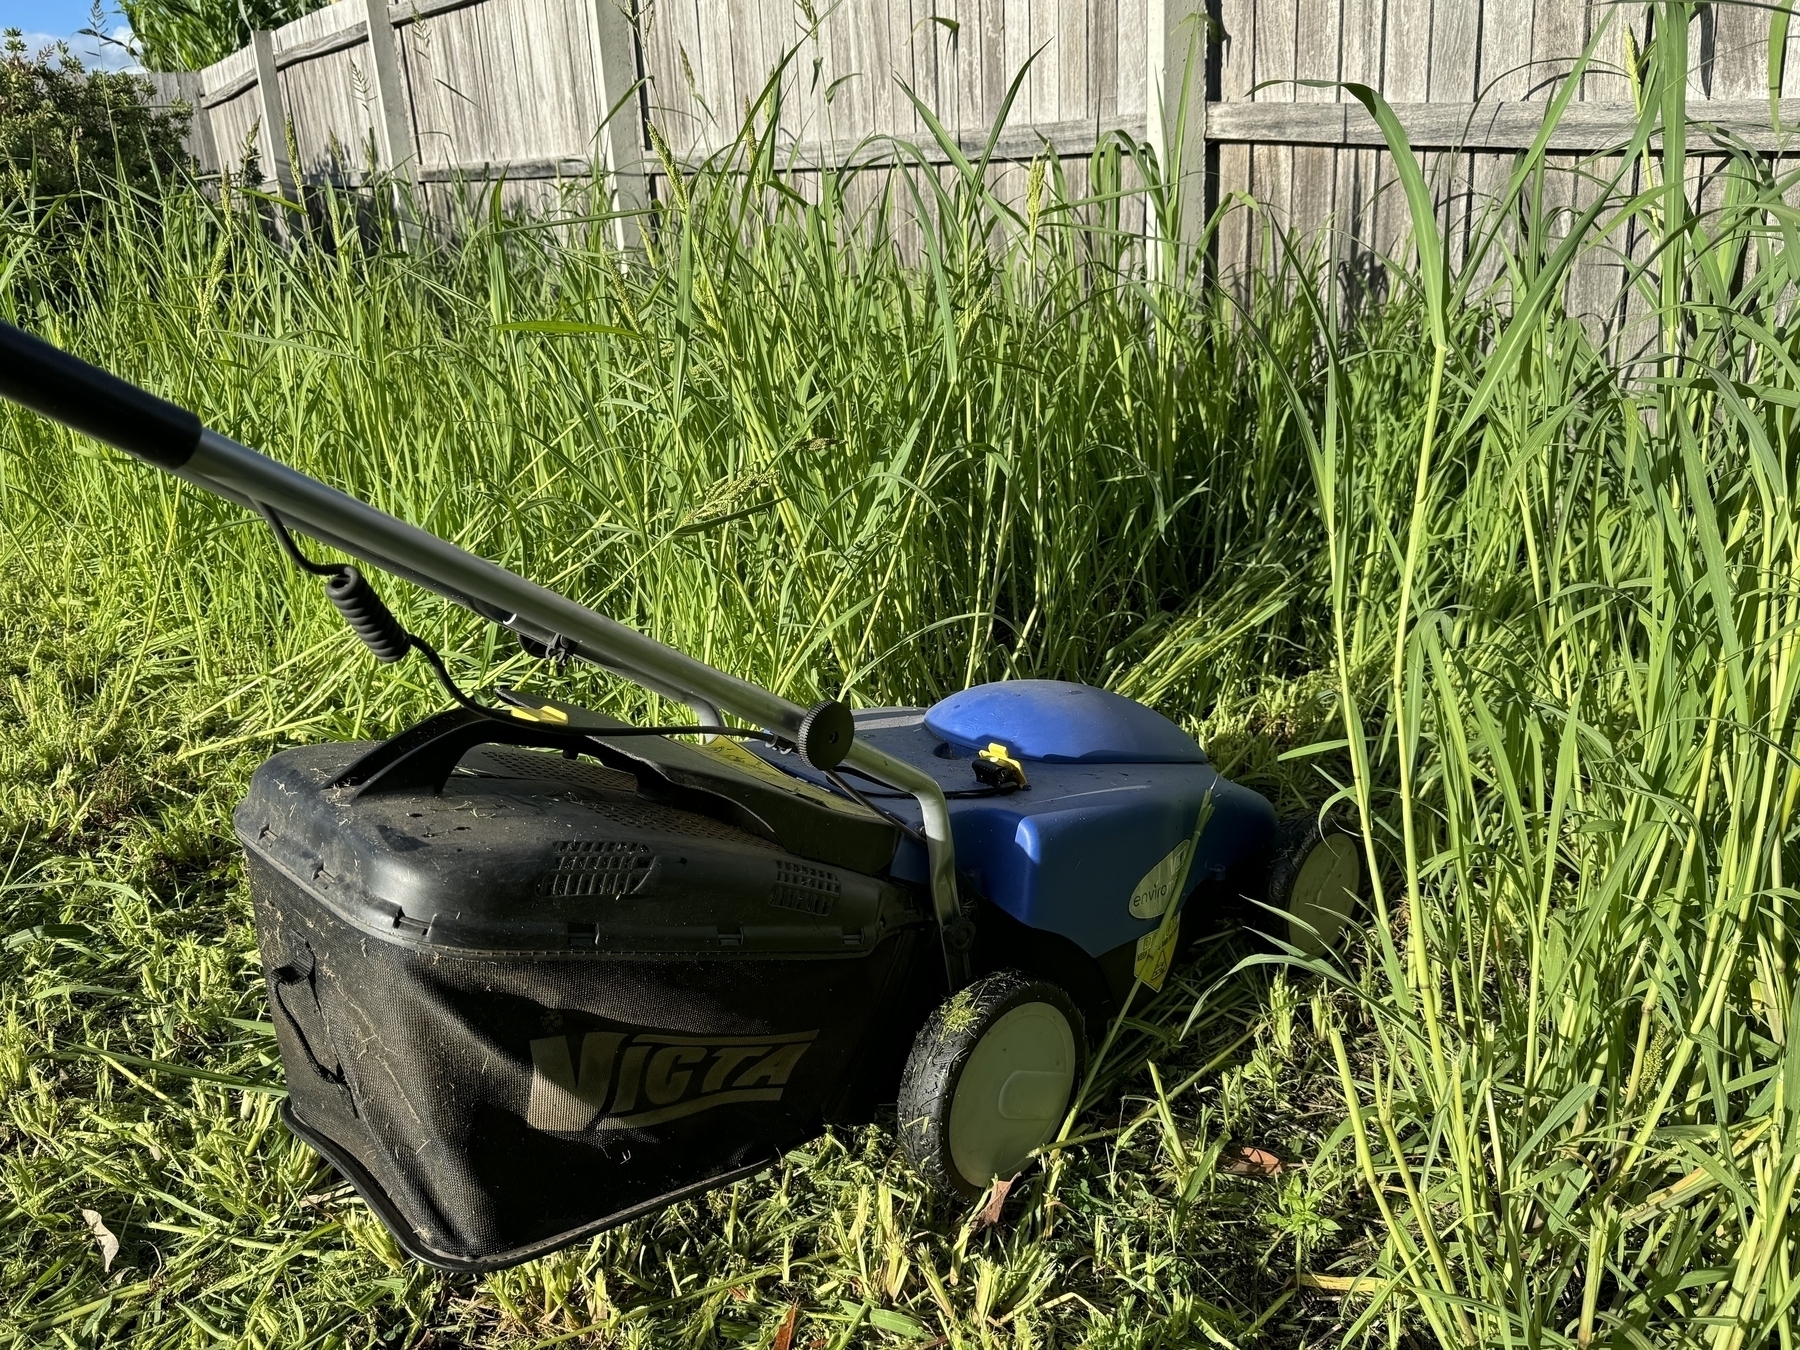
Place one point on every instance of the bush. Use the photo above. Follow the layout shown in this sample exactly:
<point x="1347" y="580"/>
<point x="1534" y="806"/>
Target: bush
<point x="64" y="129"/>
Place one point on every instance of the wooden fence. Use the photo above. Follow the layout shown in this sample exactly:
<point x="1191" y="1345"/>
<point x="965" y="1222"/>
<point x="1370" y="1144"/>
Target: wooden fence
<point x="538" y="91"/>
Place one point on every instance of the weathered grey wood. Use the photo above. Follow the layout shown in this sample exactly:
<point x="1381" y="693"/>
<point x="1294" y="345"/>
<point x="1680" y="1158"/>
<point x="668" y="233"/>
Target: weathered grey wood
<point x="1101" y="99"/>
<point x="1132" y="55"/>
<point x="1317" y="54"/>
<point x="1237" y="76"/>
<point x="1506" y="73"/>
<point x="720" y="99"/>
<point x="1356" y="205"/>
<point x="417" y="11"/>
<point x="1073" y="86"/>
<point x="519" y="90"/>
<point x="993" y="74"/>
<point x="225" y="80"/>
<point x="1559" y="34"/>
<point x="1405" y="78"/>
<point x="394" y="137"/>
<point x="1015" y="144"/>
<point x="186" y="86"/>
<point x="1455" y="45"/>
<point x="1014" y="151"/>
<point x="1175" y="119"/>
<point x="1739" y="56"/>
<point x="278" y="171"/>
<point x="235" y="129"/>
<point x="613" y="33"/>
<point x="1490" y="127"/>
<point x="293" y="51"/>
<point x="1272" y="165"/>
<point x="670" y="28"/>
<point x="330" y="109"/>
<point x="1452" y="76"/>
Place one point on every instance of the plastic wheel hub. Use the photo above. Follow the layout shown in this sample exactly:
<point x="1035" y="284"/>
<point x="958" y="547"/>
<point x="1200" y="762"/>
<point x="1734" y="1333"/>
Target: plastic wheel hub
<point x="1324" y="895"/>
<point x="990" y="1075"/>
<point x="1012" y="1092"/>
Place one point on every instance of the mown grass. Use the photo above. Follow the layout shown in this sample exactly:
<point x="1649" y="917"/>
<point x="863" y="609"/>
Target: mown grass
<point x="1522" y="604"/>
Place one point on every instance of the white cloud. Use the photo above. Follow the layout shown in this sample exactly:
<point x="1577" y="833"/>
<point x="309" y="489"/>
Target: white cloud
<point x="93" y="54"/>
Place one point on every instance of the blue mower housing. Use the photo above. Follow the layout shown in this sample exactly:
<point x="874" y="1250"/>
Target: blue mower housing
<point x="1115" y="788"/>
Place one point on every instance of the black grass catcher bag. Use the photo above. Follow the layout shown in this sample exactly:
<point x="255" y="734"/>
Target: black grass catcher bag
<point x="499" y="975"/>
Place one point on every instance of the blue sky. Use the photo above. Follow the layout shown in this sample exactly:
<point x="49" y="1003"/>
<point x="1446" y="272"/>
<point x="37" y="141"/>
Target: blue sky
<point x="44" y="20"/>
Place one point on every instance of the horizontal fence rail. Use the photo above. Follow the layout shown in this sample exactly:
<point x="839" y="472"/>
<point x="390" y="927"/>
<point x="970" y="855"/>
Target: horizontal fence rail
<point x="534" y="93"/>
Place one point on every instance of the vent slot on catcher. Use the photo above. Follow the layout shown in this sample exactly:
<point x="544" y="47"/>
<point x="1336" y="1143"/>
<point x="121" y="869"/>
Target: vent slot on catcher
<point x="547" y="764"/>
<point x="811" y="890"/>
<point x="586" y="867"/>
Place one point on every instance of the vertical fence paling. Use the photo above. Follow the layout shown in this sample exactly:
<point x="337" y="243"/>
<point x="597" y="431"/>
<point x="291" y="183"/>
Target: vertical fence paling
<point x="272" y="122"/>
<point x="396" y="146"/>
<point x="393" y="119"/>
<point x="169" y="88"/>
<point x="543" y="90"/>
<point x="1175" y="97"/>
<point x="612" y="35"/>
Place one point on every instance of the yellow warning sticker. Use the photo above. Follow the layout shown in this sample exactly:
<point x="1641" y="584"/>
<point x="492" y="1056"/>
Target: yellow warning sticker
<point x="1161" y="892"/>
<point x="1156" y="950"/>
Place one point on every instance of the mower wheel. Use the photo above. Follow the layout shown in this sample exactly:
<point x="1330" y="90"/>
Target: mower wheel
<point x="1316" y="878"/>
<point x="989" y="1080"/>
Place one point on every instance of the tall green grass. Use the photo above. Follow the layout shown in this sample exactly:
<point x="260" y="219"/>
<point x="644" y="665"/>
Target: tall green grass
<point x="1516" y="596"/>
<point x="1573" y="1105"/>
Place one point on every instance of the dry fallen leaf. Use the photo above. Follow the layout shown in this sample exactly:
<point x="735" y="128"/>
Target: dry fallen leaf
<point x="784" y="1334"/>
<point x="109" y="1245"/>
<point x="996" y="1201"/>
<point x="323" y="1198"/>
<point x="1250" y="1162"/>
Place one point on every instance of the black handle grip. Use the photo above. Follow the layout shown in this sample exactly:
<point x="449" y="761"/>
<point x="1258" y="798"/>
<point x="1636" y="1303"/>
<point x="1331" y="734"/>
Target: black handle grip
<point x="48" y="380"/>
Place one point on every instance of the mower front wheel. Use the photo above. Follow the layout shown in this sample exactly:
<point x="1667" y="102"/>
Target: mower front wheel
<point x="1316" y="879"/>
<point x="989" y="1080"/>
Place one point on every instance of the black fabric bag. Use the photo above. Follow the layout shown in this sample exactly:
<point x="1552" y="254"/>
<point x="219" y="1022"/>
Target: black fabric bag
<point x="544" y="999"/>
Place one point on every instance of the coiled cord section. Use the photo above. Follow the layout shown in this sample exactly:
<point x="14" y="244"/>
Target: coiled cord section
<point x="368" y="615"/>
<point x="374" y="623"/>
<point x="369" y="618"/>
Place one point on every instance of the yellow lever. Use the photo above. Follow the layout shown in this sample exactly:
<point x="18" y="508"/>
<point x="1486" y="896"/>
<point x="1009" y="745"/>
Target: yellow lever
<point x="997" y="754"/>
<point x="543" y="713"/>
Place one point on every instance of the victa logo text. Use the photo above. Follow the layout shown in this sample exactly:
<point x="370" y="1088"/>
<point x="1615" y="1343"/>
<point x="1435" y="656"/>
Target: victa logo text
<point x="617" y="1080"/>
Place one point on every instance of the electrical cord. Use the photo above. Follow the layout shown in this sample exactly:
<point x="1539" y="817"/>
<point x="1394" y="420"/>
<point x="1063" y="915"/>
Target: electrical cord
<point x="911" y="832"/>
<point x="289" y="547"/>
<point x="371" y="620"/>
<point x="953" y="794"/>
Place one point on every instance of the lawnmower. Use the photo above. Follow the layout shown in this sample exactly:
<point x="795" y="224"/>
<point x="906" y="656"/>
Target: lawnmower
<point x="534" y="972"/>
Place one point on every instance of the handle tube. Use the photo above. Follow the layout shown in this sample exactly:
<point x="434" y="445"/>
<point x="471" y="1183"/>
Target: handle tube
<point x="93" y="401"/>
<point x="367" y="531"/>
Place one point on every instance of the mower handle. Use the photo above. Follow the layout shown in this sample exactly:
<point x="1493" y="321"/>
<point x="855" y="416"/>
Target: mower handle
<point x="95" y="402"/>
<point x="99" y="404"/>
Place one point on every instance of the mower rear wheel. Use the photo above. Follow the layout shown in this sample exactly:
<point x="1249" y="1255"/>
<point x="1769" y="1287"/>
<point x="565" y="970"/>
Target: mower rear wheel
<point x="989" y="1080"/>
<point x="1316" y="878"/>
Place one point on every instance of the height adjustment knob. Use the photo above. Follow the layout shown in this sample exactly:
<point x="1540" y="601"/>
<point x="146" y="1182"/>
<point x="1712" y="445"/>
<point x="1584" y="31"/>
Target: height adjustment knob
<point x="825" y="734"/>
